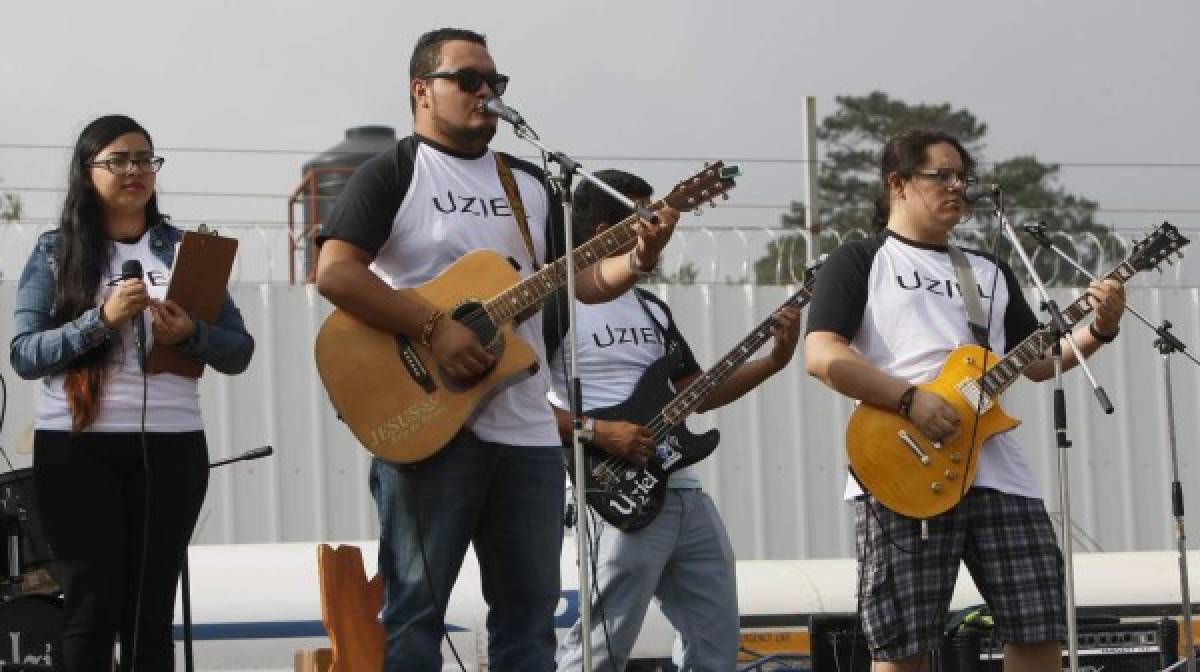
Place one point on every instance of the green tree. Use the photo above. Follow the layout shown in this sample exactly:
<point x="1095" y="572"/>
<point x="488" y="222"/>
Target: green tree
<point x="848" y="183"/>
<point x="10" y="206"/>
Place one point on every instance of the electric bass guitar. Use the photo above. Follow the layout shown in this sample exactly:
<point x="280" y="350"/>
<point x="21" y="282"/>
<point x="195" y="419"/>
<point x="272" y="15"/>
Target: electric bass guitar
<point x="919" y="478"/>
<point x="389" y="389"/>
<point x="629" y="497"/>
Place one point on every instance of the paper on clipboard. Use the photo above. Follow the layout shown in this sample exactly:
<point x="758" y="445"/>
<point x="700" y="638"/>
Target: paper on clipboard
<point x="199" y="277"/>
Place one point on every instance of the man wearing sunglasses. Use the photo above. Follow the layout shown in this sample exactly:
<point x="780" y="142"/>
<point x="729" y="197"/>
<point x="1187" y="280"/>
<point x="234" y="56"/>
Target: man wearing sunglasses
<point x="405" y="215"/>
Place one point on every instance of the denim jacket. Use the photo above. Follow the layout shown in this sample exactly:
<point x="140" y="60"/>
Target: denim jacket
<point x="41" y="348"/>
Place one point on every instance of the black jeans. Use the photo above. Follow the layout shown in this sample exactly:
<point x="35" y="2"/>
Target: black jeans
<point x="91" y="494"/>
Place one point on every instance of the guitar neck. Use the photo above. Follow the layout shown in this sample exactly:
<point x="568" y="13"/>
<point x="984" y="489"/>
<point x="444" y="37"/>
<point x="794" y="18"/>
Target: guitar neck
<point x="687" y="401"/>
<point x="1033" y="348"/>
<point x="533" y="290"/>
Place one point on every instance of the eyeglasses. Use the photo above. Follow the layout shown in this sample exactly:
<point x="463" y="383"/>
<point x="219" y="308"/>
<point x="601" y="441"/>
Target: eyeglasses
<point x="469" y="80"/>
<point x="119" y="165"/>
<point x="948" y="177"/>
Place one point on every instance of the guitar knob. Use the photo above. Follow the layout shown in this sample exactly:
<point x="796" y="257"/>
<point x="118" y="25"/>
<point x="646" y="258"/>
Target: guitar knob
<point x="951" y="475"/>
<point x="936" y="487"/>
<point x="937" y="445"/>
<point x="956" y="457"/>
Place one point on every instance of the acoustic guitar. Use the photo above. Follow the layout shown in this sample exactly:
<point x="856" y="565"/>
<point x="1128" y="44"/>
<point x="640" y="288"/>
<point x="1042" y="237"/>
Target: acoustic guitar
<point x="389" y="389"/>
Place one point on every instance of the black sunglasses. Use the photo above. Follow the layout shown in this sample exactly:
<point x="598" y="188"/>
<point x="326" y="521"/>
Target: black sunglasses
<point x="469" y="81"/>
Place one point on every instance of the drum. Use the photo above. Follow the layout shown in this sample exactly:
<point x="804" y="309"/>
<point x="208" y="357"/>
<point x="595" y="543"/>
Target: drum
<point x="30" y="631"/>
<point x="20" y="527"/>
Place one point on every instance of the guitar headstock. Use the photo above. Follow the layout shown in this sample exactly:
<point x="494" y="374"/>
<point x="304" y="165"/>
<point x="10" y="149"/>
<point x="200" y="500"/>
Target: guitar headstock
<point x="704" y="187"/>
<point x="1158" y="246"/>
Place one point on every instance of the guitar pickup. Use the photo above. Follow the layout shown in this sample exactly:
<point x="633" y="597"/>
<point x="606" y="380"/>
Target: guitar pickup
<point x="971" y="393"/>
<point x="912" y="445"/>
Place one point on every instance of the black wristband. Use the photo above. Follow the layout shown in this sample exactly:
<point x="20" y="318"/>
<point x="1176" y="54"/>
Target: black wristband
<point x="906" y="400"/>
<point x="1101" y="337"/>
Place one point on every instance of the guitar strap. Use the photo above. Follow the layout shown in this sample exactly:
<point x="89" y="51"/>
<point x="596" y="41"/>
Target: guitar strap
<point x="663" y="335"/>
<point x="968" y="288"/>
<point x="514" y="201"/>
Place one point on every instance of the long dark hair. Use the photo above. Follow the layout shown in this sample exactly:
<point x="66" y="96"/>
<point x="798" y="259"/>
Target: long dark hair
<point x="904" y="154"/>
<point x="83" y="255"/>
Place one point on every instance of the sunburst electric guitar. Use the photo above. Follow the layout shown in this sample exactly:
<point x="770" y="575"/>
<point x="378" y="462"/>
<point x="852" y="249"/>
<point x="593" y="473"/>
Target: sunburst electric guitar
<point x="389" y="389"/>
<point x="629" y="497"/>
<point x="916" y="477"/>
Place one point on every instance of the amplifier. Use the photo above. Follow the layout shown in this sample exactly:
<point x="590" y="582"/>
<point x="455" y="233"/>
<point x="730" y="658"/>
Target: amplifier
<point x="1115" y="647"/>
<point x="837" y="645"/>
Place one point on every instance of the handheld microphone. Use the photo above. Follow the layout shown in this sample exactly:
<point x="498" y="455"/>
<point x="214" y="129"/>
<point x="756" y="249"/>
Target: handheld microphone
<point x="132" y="269"/>
<point x="977" y="191"/>
<point x="496" y="107"/>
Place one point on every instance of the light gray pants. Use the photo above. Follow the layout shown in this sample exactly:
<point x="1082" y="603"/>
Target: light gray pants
<point x="683" y="559"/>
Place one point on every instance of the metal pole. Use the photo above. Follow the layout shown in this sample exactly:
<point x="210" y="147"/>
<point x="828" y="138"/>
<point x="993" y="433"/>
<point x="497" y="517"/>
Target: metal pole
<point x="811" y="199"/>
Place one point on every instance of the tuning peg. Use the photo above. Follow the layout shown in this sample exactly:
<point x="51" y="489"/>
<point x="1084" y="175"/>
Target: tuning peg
<point x="725" y="196"/>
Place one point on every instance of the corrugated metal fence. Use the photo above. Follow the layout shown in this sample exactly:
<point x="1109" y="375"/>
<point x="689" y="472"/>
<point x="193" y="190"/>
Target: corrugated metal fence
<point x="777" y="477"/>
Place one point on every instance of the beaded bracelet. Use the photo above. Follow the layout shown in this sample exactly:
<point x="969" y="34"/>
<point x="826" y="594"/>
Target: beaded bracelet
<point x="426" y="338"/>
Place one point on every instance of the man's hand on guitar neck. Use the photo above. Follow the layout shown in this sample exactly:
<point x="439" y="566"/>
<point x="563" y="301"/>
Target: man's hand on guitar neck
<point x="653" y="237"/>
<point x="933" y="416"/>
<point x="625" y="440"/>
<point x="458" y="351"/>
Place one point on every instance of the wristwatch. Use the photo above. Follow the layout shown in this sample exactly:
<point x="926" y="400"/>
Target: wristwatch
<point x="587" y="433"/>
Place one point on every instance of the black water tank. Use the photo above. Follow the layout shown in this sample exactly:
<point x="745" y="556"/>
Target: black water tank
<point x="330" y="171"/>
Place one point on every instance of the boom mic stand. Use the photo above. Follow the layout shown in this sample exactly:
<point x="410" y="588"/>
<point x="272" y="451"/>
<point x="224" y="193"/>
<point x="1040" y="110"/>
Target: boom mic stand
<point x="568" y="168"/>
<point x="189" y="664"/>
<point x="1057" y="330"/>
<point x="1165" y="344"/>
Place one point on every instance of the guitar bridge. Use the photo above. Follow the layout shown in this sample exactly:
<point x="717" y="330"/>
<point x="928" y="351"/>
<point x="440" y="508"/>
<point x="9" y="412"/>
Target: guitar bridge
<point x="971" y="393"/>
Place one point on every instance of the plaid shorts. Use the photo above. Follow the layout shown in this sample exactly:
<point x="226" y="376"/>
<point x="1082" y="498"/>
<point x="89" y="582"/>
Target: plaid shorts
<point x="905" y="584"/>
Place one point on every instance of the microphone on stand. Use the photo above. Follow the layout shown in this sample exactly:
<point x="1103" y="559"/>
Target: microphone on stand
<point x="496" y="107"/>
<point x="132" y="270"/>
<point x="975" y="192"/>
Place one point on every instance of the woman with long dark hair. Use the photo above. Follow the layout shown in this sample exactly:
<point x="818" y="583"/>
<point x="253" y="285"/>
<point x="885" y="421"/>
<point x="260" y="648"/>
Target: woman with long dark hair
<point x="120" y="459"/>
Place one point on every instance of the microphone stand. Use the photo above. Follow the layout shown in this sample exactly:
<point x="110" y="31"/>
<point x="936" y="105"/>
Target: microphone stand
<point x="189" y="664"/>
<point x="568" y="168"/>
<point x="1057" y="330"/>
<point x="1166" y="343"/>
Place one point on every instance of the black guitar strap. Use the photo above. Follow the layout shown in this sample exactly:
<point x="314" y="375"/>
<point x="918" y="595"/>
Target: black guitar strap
<point x="663" y="335"/>
<point x="970" y="294"/>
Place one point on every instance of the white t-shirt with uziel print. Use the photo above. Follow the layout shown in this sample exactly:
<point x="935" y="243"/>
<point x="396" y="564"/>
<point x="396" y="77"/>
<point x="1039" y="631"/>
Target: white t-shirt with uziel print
<point x="899" y="304"/>
<point x="172" y="401"/>
<point x="418" y="207"/>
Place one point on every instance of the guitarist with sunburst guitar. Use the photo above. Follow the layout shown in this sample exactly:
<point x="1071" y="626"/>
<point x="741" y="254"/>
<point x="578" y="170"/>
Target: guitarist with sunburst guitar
<point x="441" y="213"/>
<point x="630" y="355"/>
<point x="886" y="317"/>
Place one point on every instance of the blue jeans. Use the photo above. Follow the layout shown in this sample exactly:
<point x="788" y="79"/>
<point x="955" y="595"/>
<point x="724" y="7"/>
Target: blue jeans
<point x="684" y="559"/>
<point x="508" y="502"/>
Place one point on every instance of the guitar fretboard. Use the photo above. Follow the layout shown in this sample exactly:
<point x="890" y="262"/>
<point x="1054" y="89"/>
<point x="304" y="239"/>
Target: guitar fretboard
<point x="1008" y="369"/>
<point x="690" y="398"/>
<point x="533" y="290"/>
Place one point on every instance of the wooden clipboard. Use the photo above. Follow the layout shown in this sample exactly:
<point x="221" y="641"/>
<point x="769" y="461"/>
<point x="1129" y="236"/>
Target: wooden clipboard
<point x="199" y="277"/>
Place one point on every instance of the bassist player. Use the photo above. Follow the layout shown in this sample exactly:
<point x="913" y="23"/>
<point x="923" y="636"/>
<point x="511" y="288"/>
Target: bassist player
<point x="885" y="314"/>
<point x="683" y="557"/>
<point x="405" y="215"/>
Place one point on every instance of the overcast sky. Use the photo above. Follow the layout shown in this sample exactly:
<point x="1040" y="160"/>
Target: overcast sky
<point x="1072" y="82"/>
